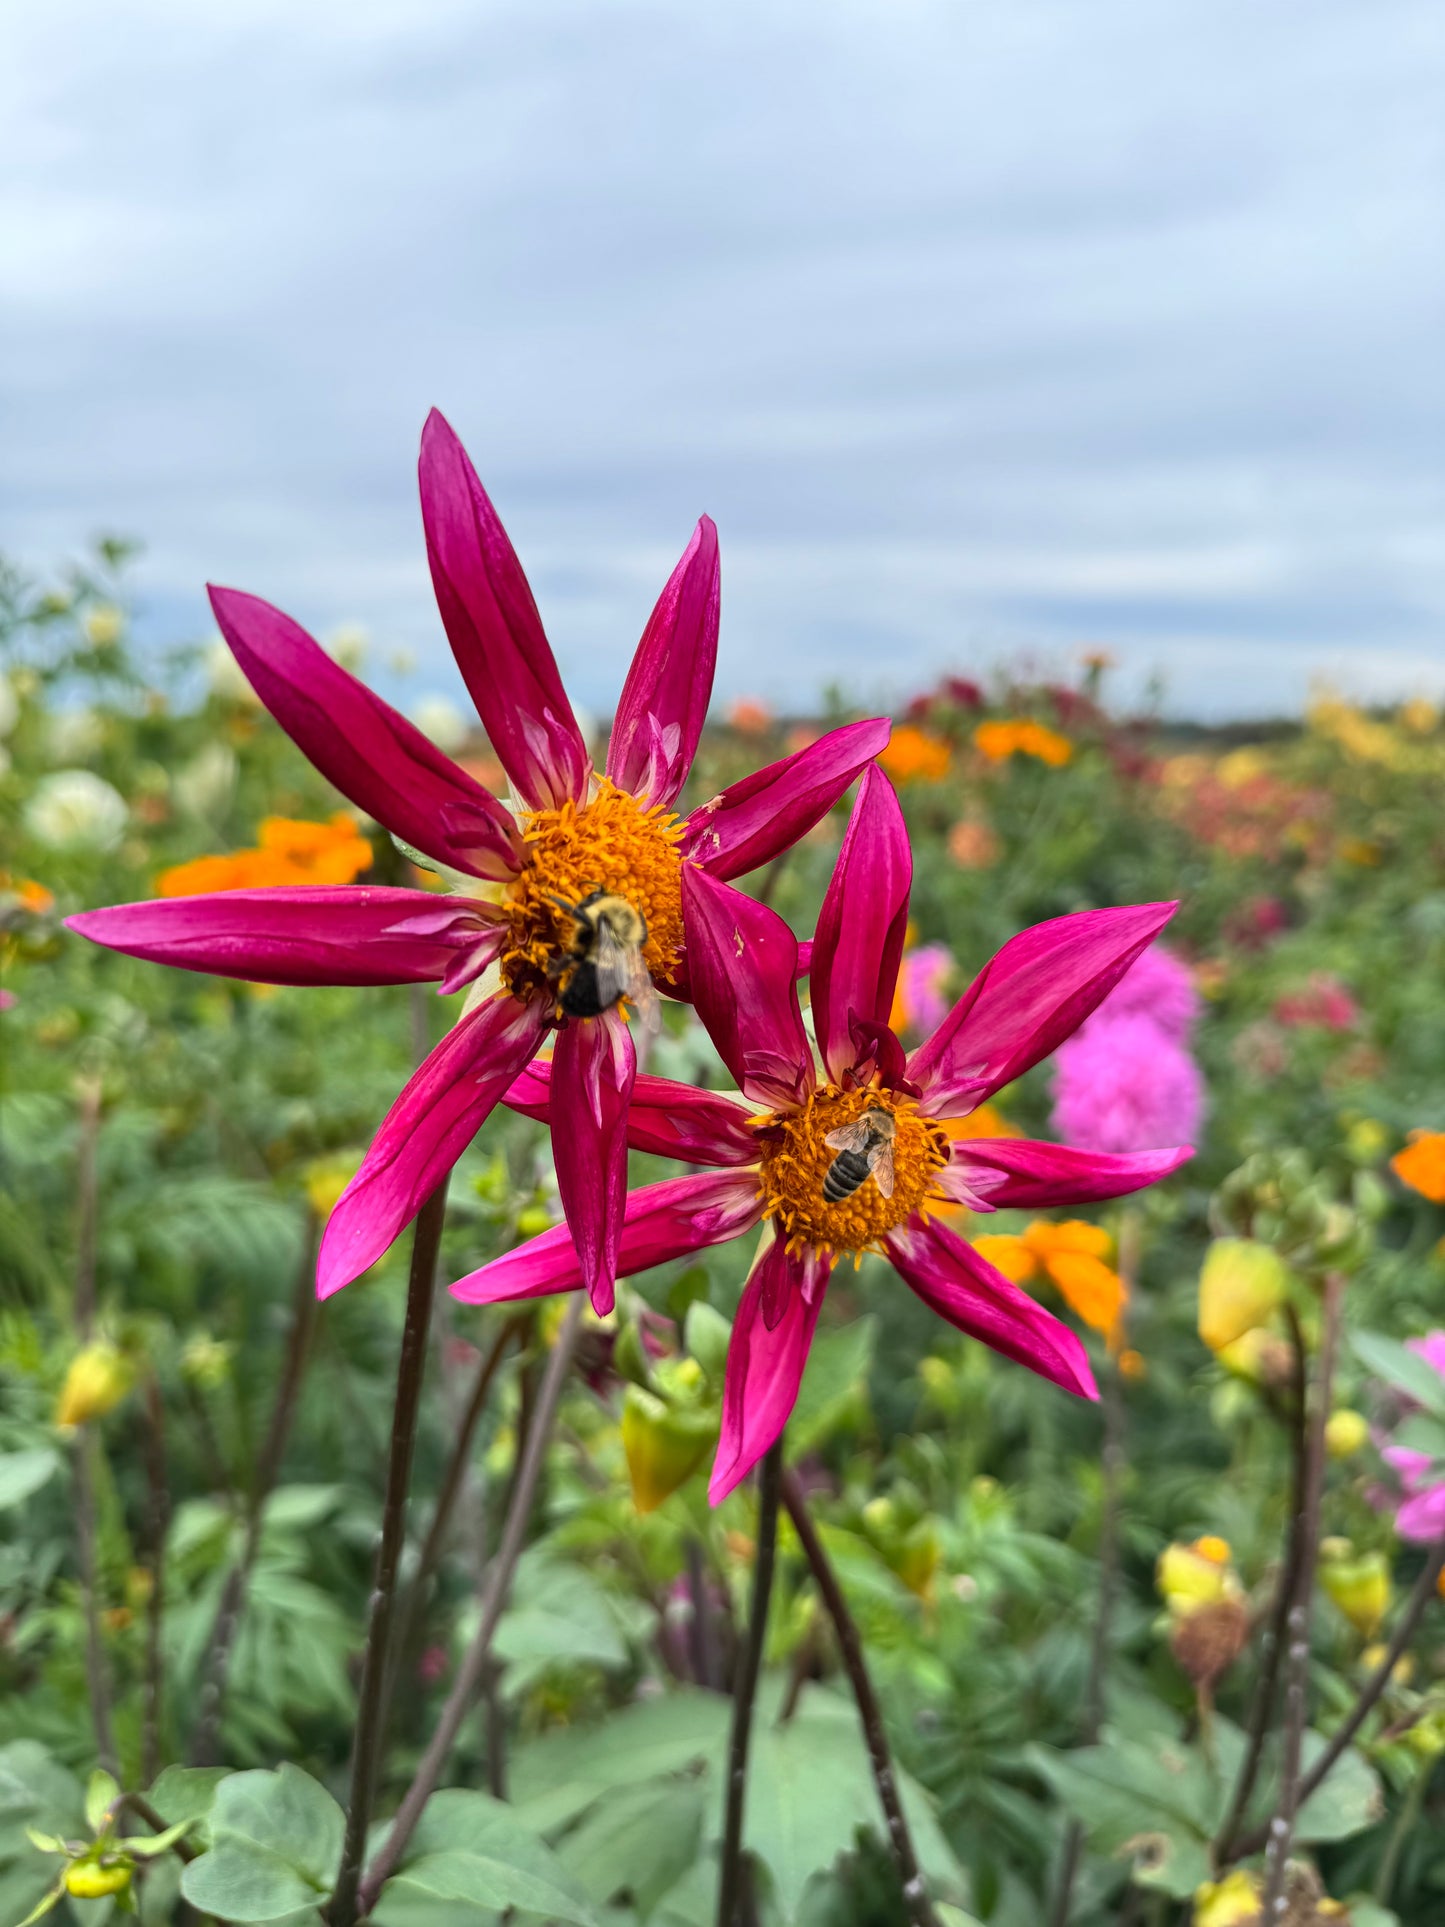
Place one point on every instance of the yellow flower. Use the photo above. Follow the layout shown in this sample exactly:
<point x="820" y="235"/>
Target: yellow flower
<point x="326" y="1178"/>
<point x="98" y="1379"/>
<point x="913" y="755"/>
<point x="1421" y="1165"/>
<point x="1241" y="1285"/>
<point x="1196" y="1575"/>
<point x="1071" y="1256"/>
<point x="1359" y="1587"/>
<point x="1419" y="716"/>
<point x="1235" y="1901"/>
<point x="1346" y="1432"/>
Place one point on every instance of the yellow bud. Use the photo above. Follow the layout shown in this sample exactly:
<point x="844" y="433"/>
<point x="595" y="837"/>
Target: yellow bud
<point x="664" y="1447"/>
<point x="98" y="1379"/>
<point x="937" y="1375"/>
<point x="326" y="1178"/>
<point x="1360" y="1588"/>
<point x="533" y="1219"/>
<point x="916" y="1560"/>
<point x="1373" y="1658"/>
<point x="1258" y="1357"/>
<point x="1188" y="1578"/>
<point x="1346" y="1432"/>
<point x="89" y="1880"/>
<point x="206" y="1363"/>
<point x="1241" y="1284"/>
<point x="1233" y="1902"/>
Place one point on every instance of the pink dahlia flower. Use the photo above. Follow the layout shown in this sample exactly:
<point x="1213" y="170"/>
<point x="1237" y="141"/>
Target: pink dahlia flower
<point x="1421" y="1516"/>
<point x="774" y="1151"/>
<point x="1159" y="986"/>
<point x="574" y="833"/>
<point x="1122" y="1084"/>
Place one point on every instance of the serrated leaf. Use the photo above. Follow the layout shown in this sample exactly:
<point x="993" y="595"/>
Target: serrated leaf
<point x="454" y="1886"/>
<point x="23" y="1473"/>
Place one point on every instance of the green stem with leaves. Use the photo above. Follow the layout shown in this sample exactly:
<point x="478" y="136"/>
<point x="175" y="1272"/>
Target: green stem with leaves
<point x="745" y="1689"/>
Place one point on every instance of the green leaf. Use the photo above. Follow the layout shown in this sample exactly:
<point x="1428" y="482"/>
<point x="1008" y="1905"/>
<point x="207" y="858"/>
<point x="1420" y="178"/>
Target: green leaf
<point x="296" y="1508"/>
<point x="637" y="1842"/>
<point x="811" y="1791"/>
<point x="1349" y="1800"/>
<point x="187" y="1792"/>
<point x="1401" y="1367"/>
<point x="1422" y="1432"/>
<point x="101" y="1793"/>
<point x="287" y="1815"/>
<point x="559" y="1776"/>
<point x="23" y="1473"/>
<point x="706" y="1334"/>
<point x="837" y="1374"/>
<point x="458" y="1820"/>
<point x="237" y="1880"/>
<point x="149" y="1846"/>
<point x="459" y="1887"/>
<point x="1156" y="1802"/>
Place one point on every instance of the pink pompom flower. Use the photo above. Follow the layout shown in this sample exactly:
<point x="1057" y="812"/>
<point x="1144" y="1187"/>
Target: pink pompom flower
<point x="773" y="1153"/>
<point x="575" y="833"/>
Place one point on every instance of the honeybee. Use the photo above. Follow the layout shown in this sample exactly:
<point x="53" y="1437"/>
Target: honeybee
<point x="865" y="1149"/>
<point x="605" y="962"/>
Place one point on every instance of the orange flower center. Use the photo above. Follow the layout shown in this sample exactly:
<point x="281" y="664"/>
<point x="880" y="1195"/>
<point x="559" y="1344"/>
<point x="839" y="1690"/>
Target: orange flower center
<point x="797" y="1159"/>
<point x="611" y="843"/>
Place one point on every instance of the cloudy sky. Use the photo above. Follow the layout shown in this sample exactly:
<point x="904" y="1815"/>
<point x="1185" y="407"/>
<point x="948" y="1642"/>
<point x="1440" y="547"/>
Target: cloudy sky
<point x="984" y="329"/>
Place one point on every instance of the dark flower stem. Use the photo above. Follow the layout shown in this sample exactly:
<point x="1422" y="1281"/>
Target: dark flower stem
<point x="216" y="1663"/>
<point x="452" y="1480"/>
<point x="1273" y="1644"/>
<point x="87" y="1211"/>
<point x="1297" y="1657"/>
<point x="1111" y="1465"/>
<point x="745" y="1689"/>
<point x="850" y="1645"/>
<point x="1369" y="1696"/>
<point x="494" y="1598"/>
<point x="157" y="1527"/>
<point x="410" y="1370"/>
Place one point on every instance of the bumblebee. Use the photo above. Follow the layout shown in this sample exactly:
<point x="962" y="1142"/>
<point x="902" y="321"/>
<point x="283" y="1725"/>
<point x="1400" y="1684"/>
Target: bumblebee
<point x="604" y="963"/>
<point x="865" y="1149"/>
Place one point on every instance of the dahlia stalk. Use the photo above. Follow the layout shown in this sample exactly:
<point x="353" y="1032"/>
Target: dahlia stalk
<point x="571" y="834"/>
<point x="773" y="1154"/>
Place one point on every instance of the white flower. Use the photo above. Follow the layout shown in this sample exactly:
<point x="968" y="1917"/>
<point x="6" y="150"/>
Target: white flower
<point x="347" y="645"/>
<point x="226" y="676"/>
<point x="204" y="787"/>
<point x="9" y="706"/>
<point x="73" y="735"/>
<point x="74" y="809"/>
<point x="103" y="625"/>
<point x="439" y="718"/>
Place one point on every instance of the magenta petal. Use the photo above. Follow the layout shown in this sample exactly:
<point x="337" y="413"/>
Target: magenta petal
<point x="669" y="1120"/>
<point x="1422" y="1518"/>
<point x="592" y="1077"/>
<point x="359" y="743"/>
<point x="1026" y="1000"/>
<point x="951" y="1278"/>
<point x="742" y="970"/>
<point x="1021" y="1174"/>
<point x="496" y="634"/>
<point x="664" y="700"/>
<point x="859" y="939"/>
<point x="660" y="1222"/>
<point x="766" y="1360"/>
<point x="764" y="814"/>
<point x="315" y="934"/>
<point x="425" y="1132"/>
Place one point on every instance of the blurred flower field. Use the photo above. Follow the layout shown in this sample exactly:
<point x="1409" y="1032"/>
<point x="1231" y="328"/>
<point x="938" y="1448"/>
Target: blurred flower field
<point x="1087" y="1623"/>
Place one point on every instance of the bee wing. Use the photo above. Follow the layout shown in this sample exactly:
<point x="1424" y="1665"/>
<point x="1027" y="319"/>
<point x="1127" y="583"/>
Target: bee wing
<point x="856" y="1136"/>
<point x="880" y="1163"/>
<point x="613" y="963"/>
<point x="642" y="994"/>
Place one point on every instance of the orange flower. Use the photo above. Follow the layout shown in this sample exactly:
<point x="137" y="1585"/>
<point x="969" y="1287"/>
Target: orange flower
<point x="750" y="716"/>
<point x="912" y="755"/>
<point x="973" y="844"/>
<point x="28" y="894"/>
<point x="1421" y="1165"/>
<point x="291" y="852"/>
<point x="1025" y="737"/>
<point x="1071" y="1256"/>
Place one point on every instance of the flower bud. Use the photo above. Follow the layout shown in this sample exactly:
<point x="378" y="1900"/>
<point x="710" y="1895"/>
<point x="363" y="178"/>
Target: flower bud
<point x="1192" y="1576"/>
<point x="1236" y="1901"/>
<point x="1346" y="1432"/>
<point x="664" y="1447"/>
<point x="92" y="1880"/>
<point x="98" y="1379"/>
<point x="1258" y="1357"/>
<point x="1359" y="1587"/>
<point x="1241" y="1285"/>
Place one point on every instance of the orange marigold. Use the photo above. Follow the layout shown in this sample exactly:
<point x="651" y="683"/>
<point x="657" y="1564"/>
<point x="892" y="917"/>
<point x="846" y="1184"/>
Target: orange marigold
<point x="1024" y="737"/>
<point x="291" y="851"/>
<point x="913" y="756"/>
<point x="1421" y="1165"/>
<point x="1071" y="1256"/>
